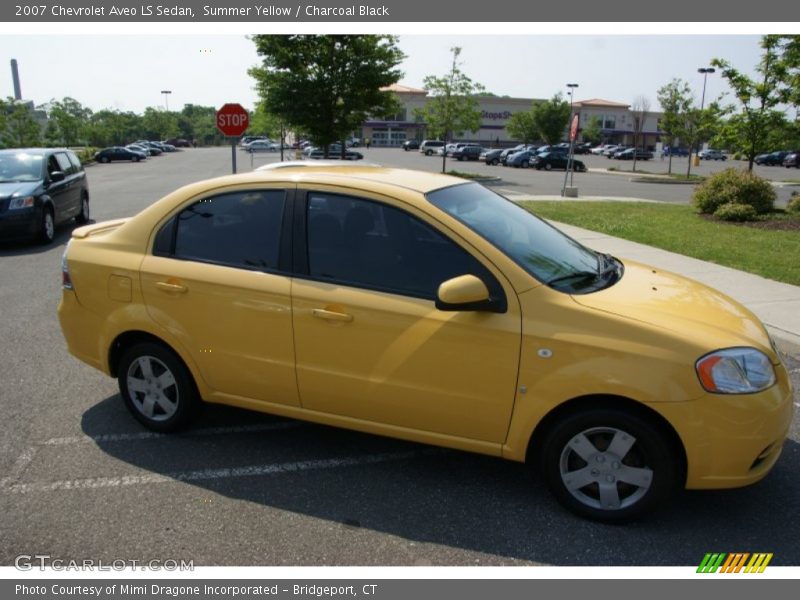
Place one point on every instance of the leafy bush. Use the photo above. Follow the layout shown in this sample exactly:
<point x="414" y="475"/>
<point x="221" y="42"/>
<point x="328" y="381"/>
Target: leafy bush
<point x="794" y="205"/>
<point x="737" y="156"/>
<point x="86" y="154"/>
<point x="734" y="186"/>
<point x="735" y="212"/>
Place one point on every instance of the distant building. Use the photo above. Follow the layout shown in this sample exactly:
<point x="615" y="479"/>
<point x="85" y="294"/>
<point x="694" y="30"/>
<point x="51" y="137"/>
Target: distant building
<point x="617" y="120"/>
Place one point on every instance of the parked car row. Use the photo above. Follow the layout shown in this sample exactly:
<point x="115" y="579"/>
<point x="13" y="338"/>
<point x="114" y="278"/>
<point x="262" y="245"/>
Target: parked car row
<point x="786" y="158"/>
<point x="135" y="151"/>
<point x="530" y="156"/>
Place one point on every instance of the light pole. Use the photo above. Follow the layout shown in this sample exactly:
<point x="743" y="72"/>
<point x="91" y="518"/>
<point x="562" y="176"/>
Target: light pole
<point x="166" y="98"/>
<point x="569" y="171"/>
<point x="705" y="71"/>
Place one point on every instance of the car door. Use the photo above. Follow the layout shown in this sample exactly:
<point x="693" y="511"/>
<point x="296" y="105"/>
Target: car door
<point x="369" y="341"/>
<point x="58" y="191"/>
<point x="72" y="185"/>
<point x="216" y="282"/>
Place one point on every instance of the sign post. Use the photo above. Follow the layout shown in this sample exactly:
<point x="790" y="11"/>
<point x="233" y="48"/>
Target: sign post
<point x="232" y="121"/>
<point x="573" y="134"/>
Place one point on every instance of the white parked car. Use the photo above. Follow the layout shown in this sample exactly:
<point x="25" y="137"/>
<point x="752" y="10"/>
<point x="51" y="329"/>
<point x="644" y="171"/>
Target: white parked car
<point x="262" y="146"/>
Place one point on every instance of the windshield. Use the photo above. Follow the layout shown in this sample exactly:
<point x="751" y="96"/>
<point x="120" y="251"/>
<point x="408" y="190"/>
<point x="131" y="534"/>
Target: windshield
<point x="20" y="167"/>
<point x="549" y="255"/>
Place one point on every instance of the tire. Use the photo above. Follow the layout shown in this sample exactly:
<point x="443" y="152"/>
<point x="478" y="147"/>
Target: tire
<point x="104" y="159"/>
<point x="526" y="164"/>
<point x="47" y="226"/>
<point x="594" y="446"/>
<point x="495" y="162"/>
<point x="135" y="159"/>
<point x="166" y="399"/>
<point x="83" y="216"/>
<point x="548" y="167"/>
<point x="428" y="152"/>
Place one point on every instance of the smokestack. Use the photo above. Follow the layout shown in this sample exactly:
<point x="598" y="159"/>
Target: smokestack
<point x="15" y="77"/>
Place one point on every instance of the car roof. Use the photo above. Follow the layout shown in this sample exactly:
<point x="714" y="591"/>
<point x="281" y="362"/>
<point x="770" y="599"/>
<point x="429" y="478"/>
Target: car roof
<point x="41" y="151"/>
<point x="369" y="177"/>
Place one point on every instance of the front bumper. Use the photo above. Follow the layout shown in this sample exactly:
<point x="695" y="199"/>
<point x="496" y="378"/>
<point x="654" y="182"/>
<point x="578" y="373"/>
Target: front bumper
<point x="732" y="440"/>
<point x="22" y="223"/>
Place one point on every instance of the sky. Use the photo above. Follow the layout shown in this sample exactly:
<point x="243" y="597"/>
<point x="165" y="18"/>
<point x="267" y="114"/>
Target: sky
<point x="129" y="72"/>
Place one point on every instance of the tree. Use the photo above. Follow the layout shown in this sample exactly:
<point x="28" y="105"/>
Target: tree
<point x="521" y="126"/>
<point x="593" y="130"/>
<point x="326" y="85"/>
<point x="159" y="124"/>
<point x="20" y="129"/>
<point x="68" y="121"/>
<point x="698" y="125"/>
<point x="640" y="110"/>
<point x="751" y="127"/>
<point x="199" y="123"/>
<point x="675" y="99"/>
<point x="551" y="118"/>
<point x="452" y="108"/>
<point x="263" y="122"/>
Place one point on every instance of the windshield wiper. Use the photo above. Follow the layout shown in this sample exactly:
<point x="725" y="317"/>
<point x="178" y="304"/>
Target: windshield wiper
<point x="576" y="275"/>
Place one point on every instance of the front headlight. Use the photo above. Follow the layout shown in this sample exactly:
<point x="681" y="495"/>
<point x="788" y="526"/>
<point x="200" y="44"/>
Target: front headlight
<point x="25" y="202"/>
<point x="735" y="371"/>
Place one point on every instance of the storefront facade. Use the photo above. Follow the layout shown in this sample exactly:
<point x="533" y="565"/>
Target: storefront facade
<point x="617" y="120"/>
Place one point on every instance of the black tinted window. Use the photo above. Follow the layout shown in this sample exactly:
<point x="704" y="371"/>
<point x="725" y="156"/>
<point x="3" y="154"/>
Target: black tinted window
<point x="377" y="246"/>
<point x="240" y="229"/>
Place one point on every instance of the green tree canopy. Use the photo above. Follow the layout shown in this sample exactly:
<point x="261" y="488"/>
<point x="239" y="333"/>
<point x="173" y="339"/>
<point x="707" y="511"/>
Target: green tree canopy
<point x="521" y="126"/>
<point x="593" y="130"/>
<point x="452" y="107"/>
<point x="19" y="128"/>
<point x="326" y="85"/>
<point x="751" y="127"/>
<point x="675" y="99"/>
<point x="68" y="122"/>
<point x="551" y="118"/>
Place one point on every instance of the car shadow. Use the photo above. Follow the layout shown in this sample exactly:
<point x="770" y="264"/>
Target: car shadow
<point x="444" y="497"/>
<point x="21" y="247"/>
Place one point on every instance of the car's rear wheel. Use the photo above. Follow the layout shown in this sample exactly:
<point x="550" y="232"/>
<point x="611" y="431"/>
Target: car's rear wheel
<point x="526" y="164"/>
<point x="608" y="464"/>
<point x="157" y="388"/>
<point x="495" y="162"/>
<point x="548" y="167"/>
<point x="103" y="159"/>
<point x="47" y="227"/>
<point x="83" y="217"/>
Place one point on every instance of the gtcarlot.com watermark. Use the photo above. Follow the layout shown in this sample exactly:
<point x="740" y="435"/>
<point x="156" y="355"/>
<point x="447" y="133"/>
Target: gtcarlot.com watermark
<point x="42" y="562"/>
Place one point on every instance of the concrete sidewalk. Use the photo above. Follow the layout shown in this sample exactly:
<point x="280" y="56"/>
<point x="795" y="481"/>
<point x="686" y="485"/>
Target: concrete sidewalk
<point x="776" y="304"/>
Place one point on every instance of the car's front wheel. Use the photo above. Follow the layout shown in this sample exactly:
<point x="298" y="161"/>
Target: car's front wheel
<point x="157" y="387"/>
<point x="608" y="464"/>
<point x="548" y="167"/>
<point x="47" y="226"/>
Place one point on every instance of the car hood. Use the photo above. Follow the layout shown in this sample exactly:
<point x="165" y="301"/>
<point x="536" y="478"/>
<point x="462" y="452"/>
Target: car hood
<point x="17" y="188"/>
<point x="689" y="309"/>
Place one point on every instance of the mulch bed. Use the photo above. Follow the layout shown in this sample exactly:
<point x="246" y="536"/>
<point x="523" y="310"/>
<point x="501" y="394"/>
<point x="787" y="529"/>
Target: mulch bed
<point x="784" y="223"/>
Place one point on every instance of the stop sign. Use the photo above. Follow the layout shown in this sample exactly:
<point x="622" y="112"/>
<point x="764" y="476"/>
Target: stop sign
<point x="232" y="120"/>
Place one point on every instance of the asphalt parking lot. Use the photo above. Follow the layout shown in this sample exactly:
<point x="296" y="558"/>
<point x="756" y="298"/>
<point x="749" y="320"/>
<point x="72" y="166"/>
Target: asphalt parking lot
<point x="80" y="479"/>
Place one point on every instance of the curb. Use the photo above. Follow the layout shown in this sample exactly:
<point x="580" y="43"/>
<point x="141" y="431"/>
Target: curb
<point x="664" y="181"/>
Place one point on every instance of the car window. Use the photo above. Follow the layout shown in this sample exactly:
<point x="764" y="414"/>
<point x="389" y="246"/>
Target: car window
<point x="76" y="163"/>
<point x="63" y="163"/>
<point x="240" y="229"/>
<point x="372" y="245"/>
<point x="52" y="165"/>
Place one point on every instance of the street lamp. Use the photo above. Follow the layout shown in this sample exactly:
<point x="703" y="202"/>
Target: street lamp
<point x="704" y="71"/>
<point x="569" y="171"/>
<point x="166" y="98"/>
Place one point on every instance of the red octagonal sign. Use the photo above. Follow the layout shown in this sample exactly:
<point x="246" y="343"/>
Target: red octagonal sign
<point x="232" y="120"/>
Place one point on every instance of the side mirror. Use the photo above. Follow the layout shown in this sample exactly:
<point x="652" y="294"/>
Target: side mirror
<point x="57" y="176"/>
<point x="463" y="293"/>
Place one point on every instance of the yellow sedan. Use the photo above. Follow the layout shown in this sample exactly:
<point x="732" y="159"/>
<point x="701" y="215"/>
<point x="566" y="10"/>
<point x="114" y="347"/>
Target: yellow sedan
<point x="427" y="308"/>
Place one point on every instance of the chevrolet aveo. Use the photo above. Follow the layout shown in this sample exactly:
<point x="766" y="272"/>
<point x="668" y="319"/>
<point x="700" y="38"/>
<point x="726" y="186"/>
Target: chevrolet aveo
<point x="427" y="308"/>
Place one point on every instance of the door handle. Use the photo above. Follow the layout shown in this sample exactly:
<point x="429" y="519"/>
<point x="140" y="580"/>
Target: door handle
<point x="174" y="288"/>
<point x="330" y="315"/>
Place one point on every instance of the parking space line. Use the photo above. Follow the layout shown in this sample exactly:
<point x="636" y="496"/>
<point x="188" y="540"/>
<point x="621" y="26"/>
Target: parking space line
<point x="148" y="435"/>
<point x="19" y="467"/>
<point x="213" y="474"/>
